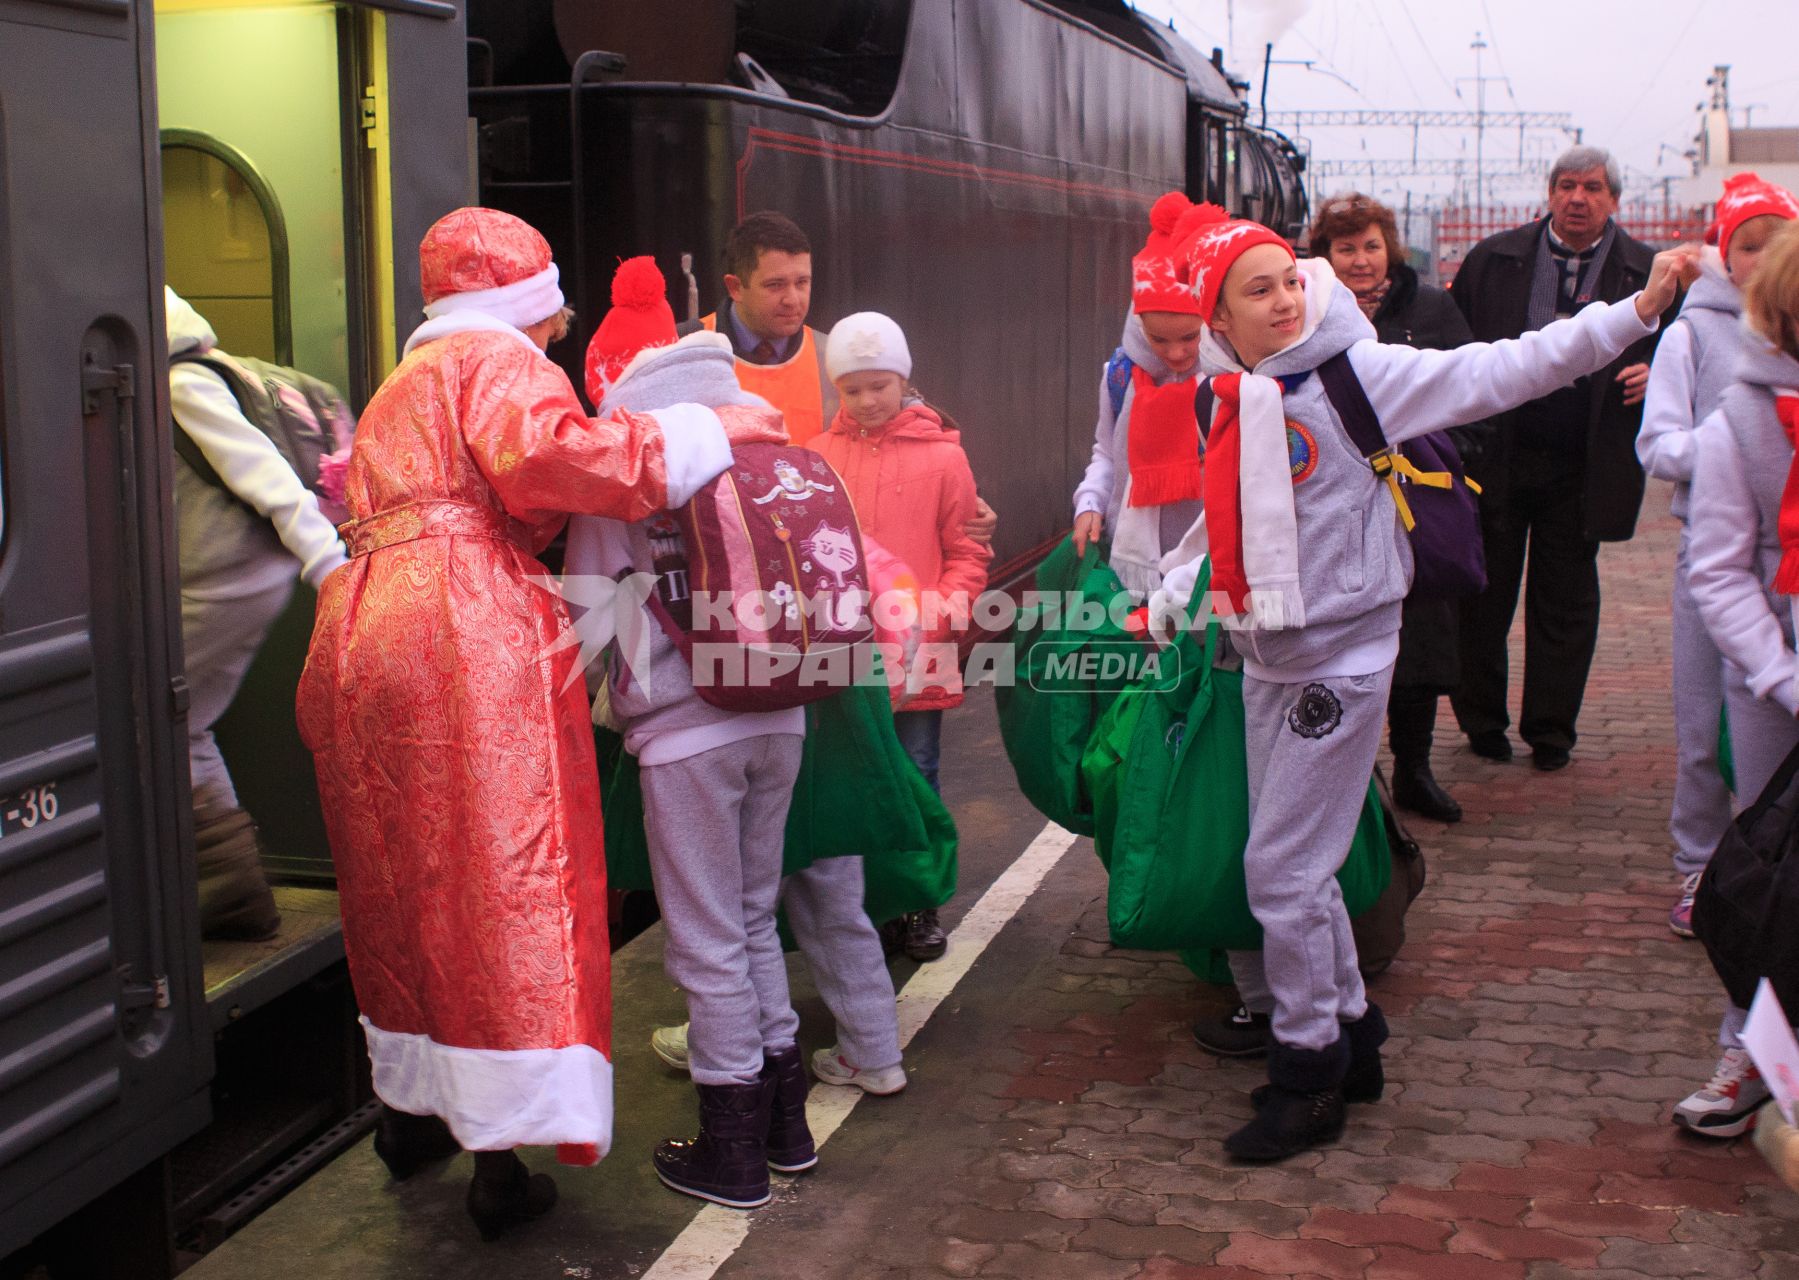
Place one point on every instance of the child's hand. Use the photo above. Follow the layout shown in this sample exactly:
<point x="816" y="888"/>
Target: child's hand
<point x="1671" y="269"/>
<point x="1087" y="528"/>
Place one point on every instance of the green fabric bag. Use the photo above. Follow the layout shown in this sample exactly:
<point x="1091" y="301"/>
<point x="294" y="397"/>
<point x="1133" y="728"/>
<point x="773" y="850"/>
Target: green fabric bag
<point x="857" y="793"/>
<point x="1047" y="717"/>
<point x="1727" y="757"/>
<point x="1170" y="782"/>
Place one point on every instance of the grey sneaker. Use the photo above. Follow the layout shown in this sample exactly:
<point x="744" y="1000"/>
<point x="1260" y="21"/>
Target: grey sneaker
<point x="831" y="1067"/>
<point x="670" y="1044"/>
<point x="1726" y="1106"/>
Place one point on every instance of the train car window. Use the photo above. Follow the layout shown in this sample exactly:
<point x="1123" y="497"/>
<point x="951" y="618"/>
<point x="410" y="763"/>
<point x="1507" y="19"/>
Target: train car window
<point x="843" y="54"/>
<point x="225" y="244"/>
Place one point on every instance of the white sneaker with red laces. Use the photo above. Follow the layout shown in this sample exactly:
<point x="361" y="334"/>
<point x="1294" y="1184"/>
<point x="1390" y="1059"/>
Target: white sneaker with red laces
<point x="831" y="1067"/>
<point x="1726" y="1107"/>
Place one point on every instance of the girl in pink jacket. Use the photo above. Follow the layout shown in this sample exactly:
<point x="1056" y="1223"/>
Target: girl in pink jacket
<point x="913" y="492"/>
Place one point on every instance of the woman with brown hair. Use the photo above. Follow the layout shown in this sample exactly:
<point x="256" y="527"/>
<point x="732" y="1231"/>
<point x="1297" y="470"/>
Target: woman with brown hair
<point x="1360" y="238"/>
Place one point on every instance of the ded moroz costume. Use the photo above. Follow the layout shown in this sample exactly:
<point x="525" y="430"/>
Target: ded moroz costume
<point x="452" y="740"/>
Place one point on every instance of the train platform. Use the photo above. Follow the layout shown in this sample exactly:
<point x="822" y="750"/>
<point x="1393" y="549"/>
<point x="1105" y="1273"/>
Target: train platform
<point x="1061" y="1122"/>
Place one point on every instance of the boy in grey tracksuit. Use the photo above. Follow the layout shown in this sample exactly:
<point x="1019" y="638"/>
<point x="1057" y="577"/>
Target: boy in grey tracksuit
<point x="1693" y="366"/>
<point x="1318" y="629"/>
<point x="716" y="787"/>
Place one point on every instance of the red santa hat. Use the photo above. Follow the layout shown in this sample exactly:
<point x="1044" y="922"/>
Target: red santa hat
<point x="1747" y="196"/>
<point x="1156" y="283"/>
<point x="484" y="260"/>
<point x="1212" y="241"/>
<point x="640" y="318"/>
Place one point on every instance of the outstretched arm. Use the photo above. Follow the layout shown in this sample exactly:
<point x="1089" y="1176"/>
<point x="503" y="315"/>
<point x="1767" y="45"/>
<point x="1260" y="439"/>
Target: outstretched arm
<point x="1417" y="392"/>
<point x="541" y="452"/>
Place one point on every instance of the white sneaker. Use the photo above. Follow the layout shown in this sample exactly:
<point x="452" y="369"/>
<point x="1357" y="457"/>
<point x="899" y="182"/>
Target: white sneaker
<point x="1726" y="1107"/>
<point x="670" y="1044"/>
<point x="831" y="1067"/>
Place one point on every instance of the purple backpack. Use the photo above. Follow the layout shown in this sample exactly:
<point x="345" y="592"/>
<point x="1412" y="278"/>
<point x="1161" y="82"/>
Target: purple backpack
<point x="1449" y="559"/>
<point x="762" y="583"/>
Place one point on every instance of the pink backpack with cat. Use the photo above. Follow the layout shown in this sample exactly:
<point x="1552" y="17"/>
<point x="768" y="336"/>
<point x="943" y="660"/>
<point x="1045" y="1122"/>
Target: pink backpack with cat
<point x="762" y="582"/>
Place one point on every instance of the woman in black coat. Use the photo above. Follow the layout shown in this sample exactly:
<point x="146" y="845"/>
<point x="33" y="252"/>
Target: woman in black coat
<point x="1360" y="237"/>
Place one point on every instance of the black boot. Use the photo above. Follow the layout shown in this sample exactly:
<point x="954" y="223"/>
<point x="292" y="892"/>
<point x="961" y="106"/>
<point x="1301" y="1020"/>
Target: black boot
<point x="728" y="1162"/>
<point x="236" y="903"/>
<point x="1416" y="789"/>
<point x="925" y="939"/>
<point x="406" y="1143"/>
<point x="1303" y="1107"/>
<point x="1366" y="1079"/>
<point x="504" y="1193"/>
<point x="790" y="1148"/>
<point x="1238" y="1034"/>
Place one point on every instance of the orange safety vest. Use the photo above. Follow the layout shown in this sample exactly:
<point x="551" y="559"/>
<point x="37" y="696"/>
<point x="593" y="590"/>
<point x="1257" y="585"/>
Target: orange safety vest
<point x="793" y="386"/>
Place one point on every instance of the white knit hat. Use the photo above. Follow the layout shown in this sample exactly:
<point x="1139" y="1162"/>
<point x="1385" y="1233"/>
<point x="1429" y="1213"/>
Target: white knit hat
<point x="865" y="342"/>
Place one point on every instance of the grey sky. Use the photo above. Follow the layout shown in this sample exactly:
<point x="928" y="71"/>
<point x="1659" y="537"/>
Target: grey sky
<point x="1630" y="71"/>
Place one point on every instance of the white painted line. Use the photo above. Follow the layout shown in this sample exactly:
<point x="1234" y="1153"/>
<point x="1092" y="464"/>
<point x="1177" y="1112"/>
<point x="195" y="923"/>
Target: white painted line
<point x="715" y="1233"/>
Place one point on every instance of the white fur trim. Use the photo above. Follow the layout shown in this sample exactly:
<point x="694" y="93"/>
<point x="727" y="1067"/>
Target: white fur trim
<point x="1270" y="519"/>
<point x="497" y="1099"/>
<point x="521" y="303"/>
<point x="463" y="322"/>
<point x="694" y="449"/>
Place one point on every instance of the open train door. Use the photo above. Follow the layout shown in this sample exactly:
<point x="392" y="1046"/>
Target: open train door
<point x="104" y="1049"/>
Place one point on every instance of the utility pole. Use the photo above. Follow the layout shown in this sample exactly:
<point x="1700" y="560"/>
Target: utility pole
<point x="1480" y="116"/>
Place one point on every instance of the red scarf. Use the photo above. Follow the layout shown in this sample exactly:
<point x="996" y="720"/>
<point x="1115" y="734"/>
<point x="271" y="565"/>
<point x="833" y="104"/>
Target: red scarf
<point x="1224" y="518"/>
<point x="1162" y="446"/>
<point x="1786" y="581"/>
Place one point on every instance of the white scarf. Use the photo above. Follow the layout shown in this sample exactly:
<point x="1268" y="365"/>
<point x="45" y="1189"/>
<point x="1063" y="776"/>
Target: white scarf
<point x="1269" y="515"/>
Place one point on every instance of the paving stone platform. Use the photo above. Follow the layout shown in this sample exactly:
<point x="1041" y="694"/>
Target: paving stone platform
<point x="1061" y="1123"/>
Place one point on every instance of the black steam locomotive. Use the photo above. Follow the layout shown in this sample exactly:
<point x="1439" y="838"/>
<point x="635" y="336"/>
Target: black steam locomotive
<point x="980" y="171"/>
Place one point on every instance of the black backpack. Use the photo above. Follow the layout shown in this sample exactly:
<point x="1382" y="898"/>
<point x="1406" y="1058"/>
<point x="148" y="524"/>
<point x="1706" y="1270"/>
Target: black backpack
<point x="1747" y="909"/>
<point x="304" y="418"/>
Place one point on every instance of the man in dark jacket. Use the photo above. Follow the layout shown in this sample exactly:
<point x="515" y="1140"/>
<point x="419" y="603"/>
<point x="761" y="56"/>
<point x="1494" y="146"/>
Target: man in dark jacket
<point x="1560" y="473"/>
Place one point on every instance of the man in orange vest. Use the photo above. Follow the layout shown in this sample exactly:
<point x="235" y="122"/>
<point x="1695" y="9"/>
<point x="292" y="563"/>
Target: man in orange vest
<point x="768" y="277"/>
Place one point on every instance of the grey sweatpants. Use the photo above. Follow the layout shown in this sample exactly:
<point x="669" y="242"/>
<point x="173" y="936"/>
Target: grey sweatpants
<point x="843" y="950"/>
<point x="716" y="825"/>
<point x="1311" y="750"/>
<point x="219" y="639"/>
<point x="1701" y="800"/>
<point x="1762" y="735"/>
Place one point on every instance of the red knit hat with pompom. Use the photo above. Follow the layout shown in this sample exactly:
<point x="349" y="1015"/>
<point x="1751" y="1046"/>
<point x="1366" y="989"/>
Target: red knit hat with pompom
<point x="1155" y="275"/>
<point x="1211" y="241"/>
<point x="1746" y="196"/>
<point x="640" y="318"/>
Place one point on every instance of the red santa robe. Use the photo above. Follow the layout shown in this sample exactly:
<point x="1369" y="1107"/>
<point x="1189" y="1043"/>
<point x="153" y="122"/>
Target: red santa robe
<point x="454" y="750"/>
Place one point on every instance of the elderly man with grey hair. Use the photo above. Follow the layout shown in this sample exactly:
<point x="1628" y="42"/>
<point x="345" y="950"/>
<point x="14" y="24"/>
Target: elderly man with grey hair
<point x="1560" y="474"/>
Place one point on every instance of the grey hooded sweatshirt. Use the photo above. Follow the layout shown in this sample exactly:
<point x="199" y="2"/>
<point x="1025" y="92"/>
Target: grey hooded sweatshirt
<point x="1740" y="475"/>
<point x="1694" y="362"/>
<point x="1355" y="558"/>
<point x="664" y="719"/>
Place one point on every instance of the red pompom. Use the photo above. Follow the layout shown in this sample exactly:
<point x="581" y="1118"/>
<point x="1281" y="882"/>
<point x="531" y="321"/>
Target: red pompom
<point x="638" y="283"/>
<point x="1200" y="215"/>
<point x="1167" y="211"/>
